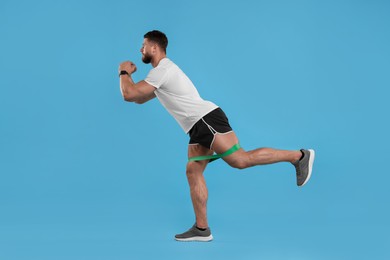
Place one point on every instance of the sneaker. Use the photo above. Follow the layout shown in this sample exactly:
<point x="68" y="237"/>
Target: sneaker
<point x="304" y="167"/>
<point x="194" y="234"/>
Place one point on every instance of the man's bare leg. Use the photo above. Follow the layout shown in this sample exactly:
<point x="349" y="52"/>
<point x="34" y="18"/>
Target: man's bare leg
<point x="242" y="159"/>
<point x="197" y="183"/>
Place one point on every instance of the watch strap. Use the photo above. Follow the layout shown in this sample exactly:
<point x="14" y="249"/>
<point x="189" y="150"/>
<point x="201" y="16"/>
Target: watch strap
<point x="123" y="72"/>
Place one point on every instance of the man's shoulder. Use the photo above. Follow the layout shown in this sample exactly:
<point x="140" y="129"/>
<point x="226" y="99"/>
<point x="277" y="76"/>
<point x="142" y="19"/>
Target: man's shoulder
<point x="157" y="75"/>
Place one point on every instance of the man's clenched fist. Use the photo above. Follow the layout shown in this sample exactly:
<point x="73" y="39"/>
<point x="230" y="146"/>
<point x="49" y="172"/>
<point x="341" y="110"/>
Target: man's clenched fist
<point x="128" y="66"/>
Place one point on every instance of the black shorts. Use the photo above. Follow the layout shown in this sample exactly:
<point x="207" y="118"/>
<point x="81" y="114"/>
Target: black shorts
<point x="204" y="131"/>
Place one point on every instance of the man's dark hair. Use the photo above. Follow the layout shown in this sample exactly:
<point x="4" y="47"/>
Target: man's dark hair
<point x="159" y="38"/>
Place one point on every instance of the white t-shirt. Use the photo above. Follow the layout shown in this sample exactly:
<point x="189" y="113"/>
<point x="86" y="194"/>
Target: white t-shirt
<point x="178" y="94"/>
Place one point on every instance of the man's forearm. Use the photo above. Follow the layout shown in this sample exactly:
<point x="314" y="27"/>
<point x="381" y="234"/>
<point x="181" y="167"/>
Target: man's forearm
<point x="127" y="86"/>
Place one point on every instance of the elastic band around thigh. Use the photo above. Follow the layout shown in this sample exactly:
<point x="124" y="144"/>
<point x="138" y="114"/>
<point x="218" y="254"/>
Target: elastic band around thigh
<point x="214" y="157"/>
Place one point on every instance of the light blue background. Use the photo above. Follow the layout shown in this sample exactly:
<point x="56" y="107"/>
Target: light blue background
<point x="84" y="175"/>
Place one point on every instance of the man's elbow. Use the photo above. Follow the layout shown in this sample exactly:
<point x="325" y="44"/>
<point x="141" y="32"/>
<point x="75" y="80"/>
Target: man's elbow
<point x="140" y="101"/>
<point x="129" y="98"/>
<point x="134" y="99"/>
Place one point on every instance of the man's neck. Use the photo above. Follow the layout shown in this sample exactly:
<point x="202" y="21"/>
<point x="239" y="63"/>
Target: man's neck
<point x="157" y="60"/>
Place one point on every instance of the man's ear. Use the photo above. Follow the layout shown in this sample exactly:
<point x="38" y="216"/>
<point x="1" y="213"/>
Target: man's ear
<point x="154" y="48"/>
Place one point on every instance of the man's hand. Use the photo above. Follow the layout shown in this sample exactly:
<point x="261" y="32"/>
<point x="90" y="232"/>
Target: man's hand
<point x="128" y="66"/>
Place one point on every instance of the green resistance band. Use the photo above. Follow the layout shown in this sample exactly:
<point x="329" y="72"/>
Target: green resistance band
<point x="214" y="157"/>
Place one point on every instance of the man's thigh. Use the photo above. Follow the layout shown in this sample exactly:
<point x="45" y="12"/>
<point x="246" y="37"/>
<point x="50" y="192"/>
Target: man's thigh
<point x="198" y="150"/>
<point x="224" y="142"/>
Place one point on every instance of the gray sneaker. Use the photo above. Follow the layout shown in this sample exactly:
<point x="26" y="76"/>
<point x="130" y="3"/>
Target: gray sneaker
<point x="304" y="166"/>
<point x="194" y="234"/>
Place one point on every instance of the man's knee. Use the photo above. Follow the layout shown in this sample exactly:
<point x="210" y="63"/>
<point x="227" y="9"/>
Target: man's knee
<point x="190" y="168"/>
<point x="194" y="167"/>
<point x="238" y="163"/>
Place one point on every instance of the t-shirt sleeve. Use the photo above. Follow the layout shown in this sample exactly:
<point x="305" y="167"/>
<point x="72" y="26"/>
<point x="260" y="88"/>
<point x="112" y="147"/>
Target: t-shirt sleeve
<point x="156" y="77"/>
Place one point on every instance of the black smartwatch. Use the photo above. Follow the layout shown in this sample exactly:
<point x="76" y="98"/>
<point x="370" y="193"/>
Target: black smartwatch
<point x="123" y="72"/>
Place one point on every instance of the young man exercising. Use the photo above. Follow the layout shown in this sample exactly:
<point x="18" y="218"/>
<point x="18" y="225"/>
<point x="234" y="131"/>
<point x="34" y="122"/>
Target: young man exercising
<point x="206" y="124"/>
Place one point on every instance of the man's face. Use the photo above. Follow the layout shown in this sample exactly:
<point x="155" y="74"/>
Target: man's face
<point x="147" y="51"/>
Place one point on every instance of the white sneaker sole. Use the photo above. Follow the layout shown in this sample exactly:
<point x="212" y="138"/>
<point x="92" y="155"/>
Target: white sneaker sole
<point x="194" y="239"/>
<point x="311" y="161"/>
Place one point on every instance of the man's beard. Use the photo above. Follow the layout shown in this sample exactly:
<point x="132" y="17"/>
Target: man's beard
<point x="146" y="58"/>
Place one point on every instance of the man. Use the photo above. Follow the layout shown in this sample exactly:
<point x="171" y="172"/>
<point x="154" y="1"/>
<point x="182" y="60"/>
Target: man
<point x="206" y="124"/>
